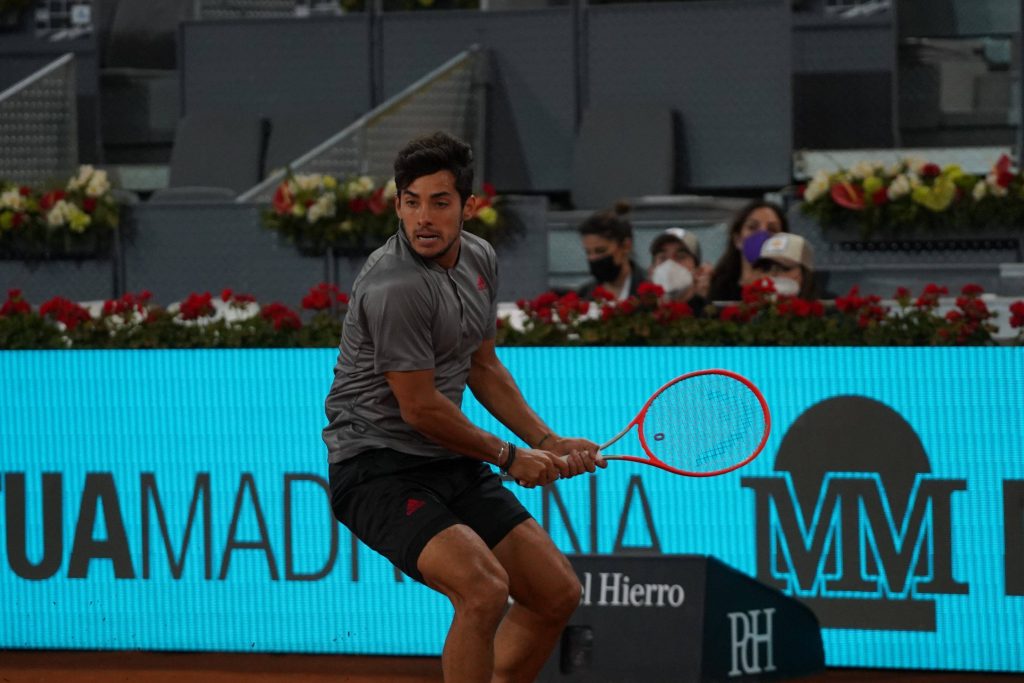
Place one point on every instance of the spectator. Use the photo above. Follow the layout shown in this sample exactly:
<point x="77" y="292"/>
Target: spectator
<point x="676" y="267"/>
<point x="733" y="271"/>
<point x="607" y="238"/>
<point x="788" y="260"/>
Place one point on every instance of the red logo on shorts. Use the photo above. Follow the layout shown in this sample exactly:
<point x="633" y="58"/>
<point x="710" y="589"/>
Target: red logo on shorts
<point x="481" y="283"/>
<point x="412" y="505"/>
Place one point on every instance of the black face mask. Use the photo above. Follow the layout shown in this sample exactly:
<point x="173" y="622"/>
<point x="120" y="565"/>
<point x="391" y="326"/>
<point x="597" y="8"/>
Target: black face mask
<point x="605" y="269"/>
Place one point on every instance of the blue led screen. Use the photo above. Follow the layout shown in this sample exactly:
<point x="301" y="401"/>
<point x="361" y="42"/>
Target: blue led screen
<point x="175" y="500"/>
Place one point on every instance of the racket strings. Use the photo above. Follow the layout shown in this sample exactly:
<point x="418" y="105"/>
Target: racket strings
<point x="704" y="423"/>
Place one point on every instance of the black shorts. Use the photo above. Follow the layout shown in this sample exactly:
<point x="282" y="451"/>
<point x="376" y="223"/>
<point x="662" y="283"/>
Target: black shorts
<point x="395" y="503"/>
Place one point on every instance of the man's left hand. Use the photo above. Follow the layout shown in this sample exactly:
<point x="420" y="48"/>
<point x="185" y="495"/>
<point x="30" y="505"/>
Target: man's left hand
<point x="582" y="455"/>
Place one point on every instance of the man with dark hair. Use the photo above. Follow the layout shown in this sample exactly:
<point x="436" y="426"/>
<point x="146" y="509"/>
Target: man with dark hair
<point x="409" y="472"/>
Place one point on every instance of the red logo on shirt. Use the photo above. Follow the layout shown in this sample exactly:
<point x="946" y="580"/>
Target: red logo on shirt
<point x="412" y="505"/>
<point x="481" y="283"/>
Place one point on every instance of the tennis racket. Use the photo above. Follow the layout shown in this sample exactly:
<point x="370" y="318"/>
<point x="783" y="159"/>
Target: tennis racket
<point x="700" y="424"/>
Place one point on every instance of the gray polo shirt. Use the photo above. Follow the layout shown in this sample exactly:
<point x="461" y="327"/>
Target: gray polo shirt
<point x="407" y="313"/>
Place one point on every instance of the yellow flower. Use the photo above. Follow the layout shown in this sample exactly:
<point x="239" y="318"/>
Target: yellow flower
<point x="298" y="210"/>
<point x="952" y="172"/>
<point x="937" y="197"/>
<point x="330" y="182"/>
<point x="78" y="220"/>
<point x="6" y="220"/>
<point x="872" y="184"/>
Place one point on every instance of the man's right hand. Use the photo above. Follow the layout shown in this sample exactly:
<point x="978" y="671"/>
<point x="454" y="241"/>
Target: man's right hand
<point x="536" y="467"/>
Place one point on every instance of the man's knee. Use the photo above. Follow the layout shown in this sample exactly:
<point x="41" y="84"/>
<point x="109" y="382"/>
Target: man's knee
<point x="567" y="596"/>
<point x="478" y="589"/>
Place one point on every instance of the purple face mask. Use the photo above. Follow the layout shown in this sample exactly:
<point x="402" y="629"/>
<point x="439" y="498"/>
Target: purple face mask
<point x="752" y="245"/>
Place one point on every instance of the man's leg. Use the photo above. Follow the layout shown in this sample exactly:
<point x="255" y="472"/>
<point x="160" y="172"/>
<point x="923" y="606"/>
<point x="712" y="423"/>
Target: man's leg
<point x="459" y="564"/>
<point x="546" y="593"/>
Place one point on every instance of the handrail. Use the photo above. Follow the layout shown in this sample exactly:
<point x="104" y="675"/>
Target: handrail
<point x="382" y="111"/>
<point x="37" y="76"/>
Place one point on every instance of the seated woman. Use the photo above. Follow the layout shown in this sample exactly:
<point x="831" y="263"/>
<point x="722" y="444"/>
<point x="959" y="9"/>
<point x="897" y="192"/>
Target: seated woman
<point x="676" y="267"/>
<point x="733" y="271"/>
<point x="607" y="238"/>
<point x="788" y="261"/>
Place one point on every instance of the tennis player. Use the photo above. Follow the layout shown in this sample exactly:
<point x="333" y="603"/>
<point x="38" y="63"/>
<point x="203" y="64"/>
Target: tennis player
<point x="409" y="473"/>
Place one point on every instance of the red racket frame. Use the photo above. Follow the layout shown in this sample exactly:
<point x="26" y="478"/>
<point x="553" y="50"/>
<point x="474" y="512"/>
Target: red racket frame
<point x="653" y="460"/>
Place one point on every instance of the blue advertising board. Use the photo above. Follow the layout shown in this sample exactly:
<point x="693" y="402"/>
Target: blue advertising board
<point x="176" y="500"/>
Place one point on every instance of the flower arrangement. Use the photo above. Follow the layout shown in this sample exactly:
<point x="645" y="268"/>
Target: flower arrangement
<point x="316" y="212"/>
<point x="354" y="216"/>
<point x="75" y="219"/>
<point x="763" y="317"/>
<point x="202" y="320"/>
<point x="915" y="194"/>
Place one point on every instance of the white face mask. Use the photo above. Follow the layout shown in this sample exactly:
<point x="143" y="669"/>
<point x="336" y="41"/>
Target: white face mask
<point x="784" y="286"/>
<point x="672" y="277"/>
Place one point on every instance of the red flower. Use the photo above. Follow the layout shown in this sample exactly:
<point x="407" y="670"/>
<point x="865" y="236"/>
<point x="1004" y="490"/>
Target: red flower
<point x="281" y="316"/>
<point x="848" y="195"/>
<point x="1003" y="165"/>
<point x="65" y="311"/>
<point x="902" y="294"/>
<point x="628" y="306"/>
<point x="931" y="170"/>
<point x="15" y="304"/>
<point x="734" y="313"/>
<point x="225" y="295"/>
<point x="601" y="294"/>
<point x="51" y="198"/>
<point x="880" y="196"/>
<point x="757" y="291"/>
<point x="316" y="300"/>
<point x="1004" y="178"/>
<point x="377" y="203"/>
<point x="801" y="190"/>
<point x="489" y="190"/>
<point x="930" y="297"/>
<point x="197" y="306"/>
<point x="972" y="290"/>
<point x="283" y="200"/>
<point x="358" y="205"/>
<point x="673" y="310"/>
<point x="323" y="296"/>
<point x="650" y="289"/>
<point x="17" y="219"/>
<point x="89" y="204"/>
<point x="1017" y="314"/>
<point x="24" y="191"/>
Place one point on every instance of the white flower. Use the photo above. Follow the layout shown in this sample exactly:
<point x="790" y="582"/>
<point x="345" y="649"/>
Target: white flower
<point x="309" y="181"/>
<point x="817" y="187"/>
<point x="997" y="190"/>
<point x="390" y="189"/>
<point x="915" y="164"/>
<point x="900" y="187"/>
<point x="12" y="199"/>
<point x="366" y="183"/>
<point x="98" y="184"/>
<point x="865" y="169"/>
<point x="324" y="206"/>
<point x="979" y="191"/>
<point x="914" y="179"/>
<point x="59" y="214"/>
<point x="894" y="169"/>
<point x="84" y="173"/>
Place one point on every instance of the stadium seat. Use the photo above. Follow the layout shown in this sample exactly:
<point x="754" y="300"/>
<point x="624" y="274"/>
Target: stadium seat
<point x="292" y="134"/>
<point x="218" y="150"/>
<point x="623" y="151"/>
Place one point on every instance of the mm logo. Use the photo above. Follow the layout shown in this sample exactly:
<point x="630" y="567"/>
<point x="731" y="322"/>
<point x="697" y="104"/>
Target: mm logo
<point x="853" y="523"/>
